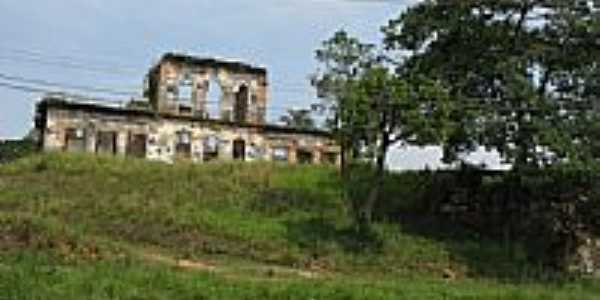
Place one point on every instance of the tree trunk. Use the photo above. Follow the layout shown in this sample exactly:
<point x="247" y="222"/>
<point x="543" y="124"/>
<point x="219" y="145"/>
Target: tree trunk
<point x="366" y="213"/>
<point x="345" y="158"/>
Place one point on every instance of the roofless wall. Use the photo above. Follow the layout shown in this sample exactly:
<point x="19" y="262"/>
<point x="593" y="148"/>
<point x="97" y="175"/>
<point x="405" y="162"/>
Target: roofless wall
<point x="181" y="84"/>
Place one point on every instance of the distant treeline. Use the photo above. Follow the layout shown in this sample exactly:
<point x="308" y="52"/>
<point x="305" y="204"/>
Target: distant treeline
<point x="11" y="150"/>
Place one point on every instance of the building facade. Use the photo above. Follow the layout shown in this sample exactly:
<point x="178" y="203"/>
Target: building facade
<point x="176" y="124"/>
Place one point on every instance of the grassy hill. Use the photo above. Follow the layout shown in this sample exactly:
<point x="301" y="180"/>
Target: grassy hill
<point x="80" y="227"/>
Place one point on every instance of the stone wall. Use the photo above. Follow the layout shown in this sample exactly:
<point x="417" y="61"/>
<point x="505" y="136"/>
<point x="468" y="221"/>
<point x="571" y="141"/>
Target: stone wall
<point x="87" y="128"/>
<point x="243" y="88"/>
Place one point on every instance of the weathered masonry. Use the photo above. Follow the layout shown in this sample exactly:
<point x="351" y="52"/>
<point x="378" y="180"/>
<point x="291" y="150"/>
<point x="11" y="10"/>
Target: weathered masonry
<point x="176" y="124"/>
<point x="180" y="85"/>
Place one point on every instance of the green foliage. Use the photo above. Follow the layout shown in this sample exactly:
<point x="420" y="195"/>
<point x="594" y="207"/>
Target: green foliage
<point x="522" y="74"/>
<point x="67" y="221"/>
<point x="343" y="59"/>
<point x="547" y="214"/>
<point x="299" y="118"/>
<point x="411" y="110"/>
<point x="13" y="150"/>
<point x="34" y="276"/>
<point x="370" y="102"/>
<point x="375" y="109"/>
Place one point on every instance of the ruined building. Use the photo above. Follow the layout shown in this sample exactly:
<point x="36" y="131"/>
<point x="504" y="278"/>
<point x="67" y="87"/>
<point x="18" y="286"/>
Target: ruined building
<point x="176" y="122"/>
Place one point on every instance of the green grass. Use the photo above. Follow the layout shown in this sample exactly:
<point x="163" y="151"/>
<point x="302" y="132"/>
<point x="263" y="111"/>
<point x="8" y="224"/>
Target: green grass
<point x="80" y="227"/>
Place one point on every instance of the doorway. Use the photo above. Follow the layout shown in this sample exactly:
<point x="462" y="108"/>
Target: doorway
<point x="106" y="142"/>
<point x="239" y="149"/>
<point x="183" y="145"/>
<point x="75" y="140"/>
<point x="136" y="145"/>
<point x="304" y="156"/>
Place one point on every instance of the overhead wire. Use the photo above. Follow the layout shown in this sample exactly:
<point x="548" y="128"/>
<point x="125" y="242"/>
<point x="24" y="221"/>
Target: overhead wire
<point x="68" y="62"/>
<point x="30" y="89"/>
<point x="274" y="112"/>
<point x="63" y="57"/>
<point x="34" y="89"/>
<point x="115" y="71"/>
<point x="67" y="65"/>
<point x="67" y="86"/>
<point x="23" y="88"/>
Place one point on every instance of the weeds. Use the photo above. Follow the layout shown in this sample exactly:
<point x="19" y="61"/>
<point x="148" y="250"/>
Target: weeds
<point x="71" y="226"/>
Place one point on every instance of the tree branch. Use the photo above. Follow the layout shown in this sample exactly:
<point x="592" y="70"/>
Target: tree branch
<point x="544" y="82"/>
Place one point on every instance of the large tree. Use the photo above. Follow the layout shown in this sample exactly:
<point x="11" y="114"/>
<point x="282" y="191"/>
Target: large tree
<point x="390" y="110"/>
<point x="373" y="108"/>
<point x="524" y="73"/>
<point x="342" y="59"/>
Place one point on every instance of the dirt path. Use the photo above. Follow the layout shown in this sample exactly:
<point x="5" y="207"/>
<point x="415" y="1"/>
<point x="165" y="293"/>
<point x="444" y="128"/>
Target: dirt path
<point x="180" y="263"/>
<point x="269" y="271"/>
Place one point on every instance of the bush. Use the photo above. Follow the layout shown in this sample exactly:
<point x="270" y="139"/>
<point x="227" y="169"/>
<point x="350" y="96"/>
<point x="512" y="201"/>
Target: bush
<point x="13" y="150"/>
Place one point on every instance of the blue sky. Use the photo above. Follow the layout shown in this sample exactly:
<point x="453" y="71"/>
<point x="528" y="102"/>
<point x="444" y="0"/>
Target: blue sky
<point x="111" y="44"/>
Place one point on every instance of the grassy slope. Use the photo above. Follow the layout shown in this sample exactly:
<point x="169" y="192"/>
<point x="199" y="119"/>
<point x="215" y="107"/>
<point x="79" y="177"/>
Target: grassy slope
<point x="78" y="227"/>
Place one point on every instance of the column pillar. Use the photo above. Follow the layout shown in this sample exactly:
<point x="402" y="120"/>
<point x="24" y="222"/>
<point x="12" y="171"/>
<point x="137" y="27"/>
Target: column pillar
<point x="225" y="150"/>
<point x="317" y="153"/>
<point x="199" y="95"/>
<point x="293" y="153"/>
<point x="90" y="140"/>
<point x="122" y="143"/>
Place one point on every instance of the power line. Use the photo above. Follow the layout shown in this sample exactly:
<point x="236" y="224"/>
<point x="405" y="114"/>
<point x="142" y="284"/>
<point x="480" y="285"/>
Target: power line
<point x="70" y="62"/>
<point x="65" y="86"/>
<point x="117" y="71"/>
<point x="37" y="57"/>
<point x="41" y="86"/>
<point x="68" y="65"/>
<point x="23" y="88"/>
<point x="62" y="57"/>
<point x="30" y="89"/>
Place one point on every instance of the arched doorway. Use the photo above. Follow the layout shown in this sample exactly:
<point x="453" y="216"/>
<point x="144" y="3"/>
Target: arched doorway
<point x="241" y="105"/>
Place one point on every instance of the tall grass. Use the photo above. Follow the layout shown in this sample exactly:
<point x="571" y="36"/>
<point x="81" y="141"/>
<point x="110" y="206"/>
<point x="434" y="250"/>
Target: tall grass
<point x="36" y="276"/>
<point x="74" y="226"/>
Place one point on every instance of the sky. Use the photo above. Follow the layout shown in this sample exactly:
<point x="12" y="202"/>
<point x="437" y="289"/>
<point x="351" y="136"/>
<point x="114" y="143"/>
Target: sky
<point x="110" y="44"/>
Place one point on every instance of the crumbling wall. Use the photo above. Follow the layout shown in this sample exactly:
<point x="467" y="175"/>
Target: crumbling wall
<point x="87" y="125"/>
<point x="240" y="85"/>
<point x="170" y="139"/>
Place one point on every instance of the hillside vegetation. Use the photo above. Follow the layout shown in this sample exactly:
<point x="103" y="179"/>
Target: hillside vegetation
<point x="14" y="149"/>
<point x="80" y="227"/>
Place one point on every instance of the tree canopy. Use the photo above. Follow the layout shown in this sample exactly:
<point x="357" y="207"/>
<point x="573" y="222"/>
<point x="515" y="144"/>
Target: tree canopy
<point x="524" y="75"/>
<point x="342" y="60"/>
<point x="374" y="108"/>
<point x="299" y="118"/>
